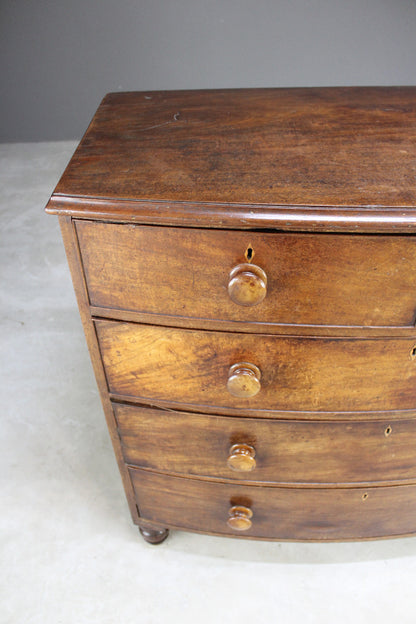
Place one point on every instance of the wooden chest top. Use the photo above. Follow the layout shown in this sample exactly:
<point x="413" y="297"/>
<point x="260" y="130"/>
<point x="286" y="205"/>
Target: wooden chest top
<point x="256" y="381"/>
<point x="309" y="159"/>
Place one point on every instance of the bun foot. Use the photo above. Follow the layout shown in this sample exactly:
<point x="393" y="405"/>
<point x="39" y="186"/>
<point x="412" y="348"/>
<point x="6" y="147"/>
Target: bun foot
<point x="154" y="536"/>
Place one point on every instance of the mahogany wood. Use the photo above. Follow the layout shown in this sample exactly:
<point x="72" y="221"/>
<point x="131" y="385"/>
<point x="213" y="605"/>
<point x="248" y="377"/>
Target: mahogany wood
<point x="278" y="513"/>
<point x="191" y="367"/>
<point x="332" y="331"/>
<point x="303" y="147"/>
<point x="241" y="457"/>
<point x="154" y="536"/>
<point x="244" y="380"/>
<point x="74" y="261"/>
<point x="319" y="279"/>
<point x="286" y="451"/>
<point x="247" y="285"/>
<point x="369" y="219"/>
<point x="249" y="256"/>
<point x="240" y="518"/>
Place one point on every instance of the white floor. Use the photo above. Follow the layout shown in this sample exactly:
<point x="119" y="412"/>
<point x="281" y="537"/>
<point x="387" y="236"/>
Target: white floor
<point x="69" y="552"/>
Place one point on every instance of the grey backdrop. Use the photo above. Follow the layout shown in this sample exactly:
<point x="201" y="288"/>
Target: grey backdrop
<point x="58" y="58"/>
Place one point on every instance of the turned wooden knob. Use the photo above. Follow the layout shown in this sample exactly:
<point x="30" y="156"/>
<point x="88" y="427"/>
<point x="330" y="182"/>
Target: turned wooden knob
<point x="247" y="285"/>
<point x="244" y="380"/>
<point x="239" y="519"/>
<point x="241" y="458"/>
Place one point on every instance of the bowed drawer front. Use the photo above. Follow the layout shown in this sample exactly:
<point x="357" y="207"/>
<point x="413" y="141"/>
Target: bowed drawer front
<point x="310" y="279"/>
<point x="245" y="267"/>
<point x="284" y="452"/>
<point x="283" y="513"/>
<point x="249" y="372"/>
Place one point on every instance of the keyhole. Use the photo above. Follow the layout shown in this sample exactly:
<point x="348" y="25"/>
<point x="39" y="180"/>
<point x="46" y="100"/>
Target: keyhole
<point x="413" y="352"/>
<point x="249" y="253"/>
<point x="387" y="431"/>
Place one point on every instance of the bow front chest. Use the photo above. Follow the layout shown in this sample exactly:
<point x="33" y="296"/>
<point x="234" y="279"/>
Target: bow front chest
<point x="245" y="267"/>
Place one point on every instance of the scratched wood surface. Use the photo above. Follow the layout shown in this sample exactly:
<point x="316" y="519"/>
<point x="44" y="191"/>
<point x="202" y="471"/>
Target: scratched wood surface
<point x="293" y="452"/>
<point x="321" y="402"/>
<point x="317" y="279"/>
<point x="318" y="374"/>
<point x="323" y="146"/>
<point x="278" y="513"/>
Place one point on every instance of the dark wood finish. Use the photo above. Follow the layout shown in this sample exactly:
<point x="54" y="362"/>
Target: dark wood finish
<point x="314" y="374"/>
<point x="362" y="219"/>
<point x="331" y="331"/>
<point x="250" y="255"/>
<point x="303" y="453"/>
<point x="319" y="279"/>
<point x="341" y="147"/>
<point x="278" y="513"/>
<point x="154" y="536"/>
<point x="74" y="261"/>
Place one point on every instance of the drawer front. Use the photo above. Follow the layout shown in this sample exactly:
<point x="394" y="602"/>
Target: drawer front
<point x="265" y="450"/>
<point x="312" y="279"/>
<point x="279" y="513"/>
<point x="317" y="374"/>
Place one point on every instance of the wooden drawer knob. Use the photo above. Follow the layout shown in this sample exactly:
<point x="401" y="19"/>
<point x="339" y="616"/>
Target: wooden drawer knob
<point x="239" y="519"/>
<point x="241" y="458"/>
<point x="247" y="285"/>
<point x="244" y="380"/>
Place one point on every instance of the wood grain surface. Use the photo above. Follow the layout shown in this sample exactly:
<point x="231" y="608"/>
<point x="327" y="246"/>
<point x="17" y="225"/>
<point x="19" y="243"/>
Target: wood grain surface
<point x="80" y="288"/>
<point x="318" y="374"/>
<point x="286" y="452"/>
<point x="246" y="275"/>
<point x="278" y="513"/>
<point x="318" y="147"/>
<point x="316" y="279"/>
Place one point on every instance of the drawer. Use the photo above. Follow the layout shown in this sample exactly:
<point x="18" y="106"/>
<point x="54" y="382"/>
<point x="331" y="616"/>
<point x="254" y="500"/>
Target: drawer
<point x="311" y="279"/>
<point x="206" y="368"/>
<point x="275" y="512"/>
<point x="262" y="450"/>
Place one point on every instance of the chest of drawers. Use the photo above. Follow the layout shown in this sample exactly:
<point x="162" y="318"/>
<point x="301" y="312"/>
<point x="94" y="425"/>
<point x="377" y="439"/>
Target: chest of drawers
<point x="245" y="268"/>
